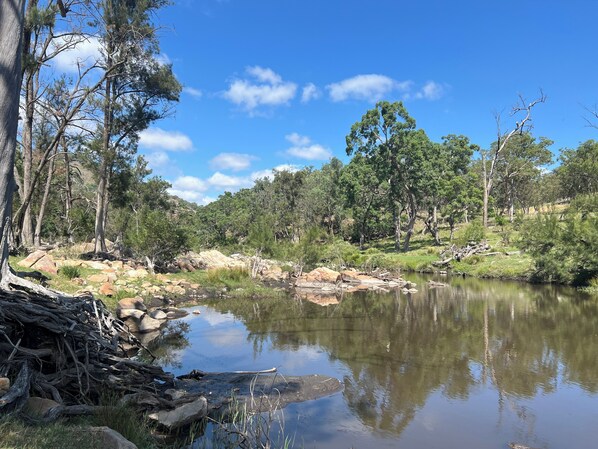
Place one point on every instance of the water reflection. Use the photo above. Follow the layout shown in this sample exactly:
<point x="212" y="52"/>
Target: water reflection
<point x="439" y="349"/>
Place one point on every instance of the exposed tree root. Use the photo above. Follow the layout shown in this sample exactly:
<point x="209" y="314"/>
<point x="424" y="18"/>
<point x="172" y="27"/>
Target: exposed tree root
<point x="70" y="349"/>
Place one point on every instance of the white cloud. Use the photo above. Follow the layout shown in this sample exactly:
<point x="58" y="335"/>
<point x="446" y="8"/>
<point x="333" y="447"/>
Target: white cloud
<point x="192" y="91"/>
<point x="303" y="148"/>
<point x="370" y="87"/>
<point x="310" y="92"/>
<point x="85" y="52"/>
<point x="189" y="188"/>
<point x="431" y="91"/>
<point x="231" y="161"/>
<point x="297" y="139"/>
<point x="159" y="139"/>
<point x="265" y="75"/>
<point x="221" y="180"/>
<point x="265" y="89"/>
<point x="190" y="183"/>
<point x="269" y="173"/>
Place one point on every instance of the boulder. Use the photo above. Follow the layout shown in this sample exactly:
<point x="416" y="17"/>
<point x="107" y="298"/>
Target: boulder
<point x="123" y="314"/>
<point x="318" y="278"/>
<point x="131" y="303"/>
<point x="173" y="313"/>
<point x="274" y="274"/>
<point x="158" y="315"/>
<point x="208" y="259"/>
<point x="95" y="265"/>
<point x="138" y="273"/>
<point x="107" y="438"/>
<point x="182" y="415"/>
<point x="99" y="277"/>
<point x="148" y="324"/>
<point x="132" y="325"/>
<point x="40" y="260"/>
<point x="39" y="407"/>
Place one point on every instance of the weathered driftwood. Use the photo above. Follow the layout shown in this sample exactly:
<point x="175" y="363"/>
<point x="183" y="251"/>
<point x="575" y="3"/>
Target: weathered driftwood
<point x="69" y="349"/>
<point x="457" y="253"/>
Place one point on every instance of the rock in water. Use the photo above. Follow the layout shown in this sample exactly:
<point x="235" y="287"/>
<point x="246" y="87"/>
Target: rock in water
<point x="148" y="324"/>
<point x="183" y="415"/>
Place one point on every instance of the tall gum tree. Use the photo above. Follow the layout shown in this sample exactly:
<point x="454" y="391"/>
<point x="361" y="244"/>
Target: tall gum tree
<point x="400" y="154"/>
<point x="137" y="92"/>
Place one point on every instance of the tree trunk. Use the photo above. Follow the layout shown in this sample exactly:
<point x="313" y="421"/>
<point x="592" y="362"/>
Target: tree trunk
<point x="411" y="224"/>
<point x="37" y="239"/>
<point x="11" y="32"/>
<point x="26" y="227"/>
<point x="396" y="215"/>
<point x="68" y="202"/>
<point x="101" y="203"/>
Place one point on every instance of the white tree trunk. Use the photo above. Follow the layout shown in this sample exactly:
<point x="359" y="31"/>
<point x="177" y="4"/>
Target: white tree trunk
<point x="11" y="32"/>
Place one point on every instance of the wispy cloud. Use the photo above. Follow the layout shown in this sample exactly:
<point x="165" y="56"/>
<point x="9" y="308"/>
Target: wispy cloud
<point x="232" y="161"/>
<point x="263" y="88"/>
<point x="159" y="139"/>
<point x="303" y="148"/>
<point x="196" y="93"/>
<point x="310" y="92"/>
<point x="370" y="87"/>
<point x="431" y="91"/>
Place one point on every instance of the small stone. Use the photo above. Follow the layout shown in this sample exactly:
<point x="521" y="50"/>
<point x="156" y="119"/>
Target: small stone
<point x="141" y="272"/>
<point x="4" y="385"/>
<point x="107" y="289"/>
<point x="196" y="312"/>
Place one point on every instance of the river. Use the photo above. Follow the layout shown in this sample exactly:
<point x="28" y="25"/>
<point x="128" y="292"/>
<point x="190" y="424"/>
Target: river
<point x="477" y="364"/>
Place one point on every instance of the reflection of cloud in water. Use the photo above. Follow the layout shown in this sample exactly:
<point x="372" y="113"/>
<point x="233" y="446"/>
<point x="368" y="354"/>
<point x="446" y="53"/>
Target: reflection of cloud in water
<point x="301" y="357"/>
<point x="232" y="337"/>
<point x="214" y="318"/>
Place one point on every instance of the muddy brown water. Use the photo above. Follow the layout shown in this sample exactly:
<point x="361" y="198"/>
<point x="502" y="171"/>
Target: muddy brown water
<point x="476" y="365"/>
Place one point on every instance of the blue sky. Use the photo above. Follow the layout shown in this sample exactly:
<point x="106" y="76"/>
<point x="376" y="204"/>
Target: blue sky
<point x="279" y="83"/>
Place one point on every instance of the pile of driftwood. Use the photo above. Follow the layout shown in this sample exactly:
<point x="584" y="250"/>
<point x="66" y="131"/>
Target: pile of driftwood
<point x="69" y="349"/>
<point x="459" y="253"/>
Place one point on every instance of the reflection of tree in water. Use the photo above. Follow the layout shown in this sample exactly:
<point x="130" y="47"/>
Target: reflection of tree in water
<point x="399" y="349"/>
<point x="169" y="345"/>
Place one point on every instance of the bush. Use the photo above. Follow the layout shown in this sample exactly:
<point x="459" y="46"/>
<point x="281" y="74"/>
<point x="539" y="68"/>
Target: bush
<point x="566" y="250"/>
<point x="473" y="232"/>
<point x="70" y="272"/>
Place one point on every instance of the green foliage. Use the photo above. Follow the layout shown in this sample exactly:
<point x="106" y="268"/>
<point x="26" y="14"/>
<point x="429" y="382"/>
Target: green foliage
<point x="578" y="173"/>
<point x="565" y="250"/>
<point x="70" y="272"/>
<point x="473" y="232"/>
<point x="157" y="236"/>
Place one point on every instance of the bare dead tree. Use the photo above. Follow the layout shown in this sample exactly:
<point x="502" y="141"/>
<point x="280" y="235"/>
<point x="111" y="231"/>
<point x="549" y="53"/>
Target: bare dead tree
<point x="523" y="110"/>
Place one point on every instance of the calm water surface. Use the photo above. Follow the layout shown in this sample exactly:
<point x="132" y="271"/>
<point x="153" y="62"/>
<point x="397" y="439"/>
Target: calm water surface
<point x="476" y="365"/>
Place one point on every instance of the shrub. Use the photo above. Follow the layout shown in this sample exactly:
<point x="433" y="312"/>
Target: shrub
<point x="70" y="272"/>
<point x="473" y="232"/>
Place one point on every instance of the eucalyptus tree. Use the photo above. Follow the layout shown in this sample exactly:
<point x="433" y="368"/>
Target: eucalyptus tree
<point x="136" y="91"/>
<point x="364" y="194"/>
<point x="578" y="172"/>
<point x="450" y="188"/>
<point x="519" y="166"/>
<point x="399" y="154"/>
<point x="490" y="158"/>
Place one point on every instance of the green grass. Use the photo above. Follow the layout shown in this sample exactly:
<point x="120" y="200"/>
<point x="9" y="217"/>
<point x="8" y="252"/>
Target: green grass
<point x="14" y="434"/>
